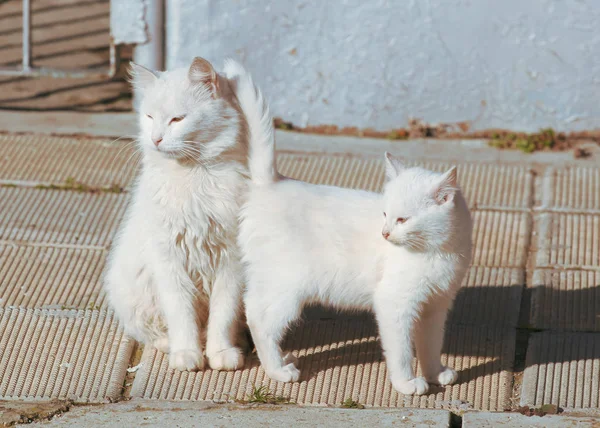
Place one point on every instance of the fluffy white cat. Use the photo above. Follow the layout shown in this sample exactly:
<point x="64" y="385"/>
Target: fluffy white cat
<point x="175" y="256"/>
<point x="402" y="254"/>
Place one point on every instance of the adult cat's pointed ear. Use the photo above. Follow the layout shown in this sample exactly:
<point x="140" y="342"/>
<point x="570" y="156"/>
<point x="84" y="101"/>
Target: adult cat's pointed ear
<point x="202" y="73"/>
<point x="393" y="166"/>
<point x="446" y="187"/>
<point x="141" y="77"/>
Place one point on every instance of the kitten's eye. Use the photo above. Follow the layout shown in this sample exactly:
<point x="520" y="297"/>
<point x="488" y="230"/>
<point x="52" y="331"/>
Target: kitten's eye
<point x="384" y="214"/>
<point x="149" y="116"/>
<point x="176" y="119"/>
<point x="401" y="220"/>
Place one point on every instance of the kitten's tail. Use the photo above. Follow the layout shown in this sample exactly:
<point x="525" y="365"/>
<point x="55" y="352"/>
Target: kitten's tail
<point x="261" y="159"/>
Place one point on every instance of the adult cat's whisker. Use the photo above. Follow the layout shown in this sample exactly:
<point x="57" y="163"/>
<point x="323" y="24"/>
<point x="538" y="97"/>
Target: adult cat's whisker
<point x="128" y="145"/>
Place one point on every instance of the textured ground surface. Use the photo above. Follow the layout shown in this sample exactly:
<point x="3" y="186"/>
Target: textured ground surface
<point x="524" y="331"/>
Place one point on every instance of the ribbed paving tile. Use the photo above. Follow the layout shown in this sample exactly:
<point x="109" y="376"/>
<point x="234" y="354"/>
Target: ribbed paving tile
<point x="59" y="217"/>
<point x="342" y="359"/>
<point x="500" y="239"/>
<point x="565" y="300"/>
<point x="78" y="355"/>
<point x="571" y="189"/>
<point x="568" y="240"/>
<point x="40" y="276"/>
<point x="47" y="159"/>
<point x="489" y="296"/>
<point x="484" y="185"/>
<point x="562" y="369"/>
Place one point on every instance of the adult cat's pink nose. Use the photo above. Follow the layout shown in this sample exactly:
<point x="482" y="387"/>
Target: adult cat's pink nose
<point x="385" y="234"/>
<point x="157" y="141"/>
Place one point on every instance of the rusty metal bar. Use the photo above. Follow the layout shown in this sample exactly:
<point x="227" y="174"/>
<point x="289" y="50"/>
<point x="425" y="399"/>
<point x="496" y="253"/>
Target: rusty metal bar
<point x="52" y="72"/>
<point x="26" y="35"/>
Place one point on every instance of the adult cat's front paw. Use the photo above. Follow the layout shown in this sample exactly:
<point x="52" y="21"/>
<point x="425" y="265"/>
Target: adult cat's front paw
<point x="227" y="359"/>
<point x="162" y="344"/>
<point x="416" y="386"/>
<point x="186" y="360"/>
<point x="447" y="377"/>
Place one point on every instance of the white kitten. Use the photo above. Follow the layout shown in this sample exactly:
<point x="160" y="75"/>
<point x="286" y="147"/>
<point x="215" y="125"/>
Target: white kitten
<point x="305" y="244"/>
<point x="176" y="255"/>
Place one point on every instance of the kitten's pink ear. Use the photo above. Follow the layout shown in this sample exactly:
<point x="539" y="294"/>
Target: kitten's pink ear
<point x="393" y="166"/>
<point x="446" y="188"/>
<point x="141" y="77"/>
<point x="202" y="73"/>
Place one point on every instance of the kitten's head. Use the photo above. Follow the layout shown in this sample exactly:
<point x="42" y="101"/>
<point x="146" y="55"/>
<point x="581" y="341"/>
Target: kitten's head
<point x="183" y="111"/>
<point x="418" y="206"/>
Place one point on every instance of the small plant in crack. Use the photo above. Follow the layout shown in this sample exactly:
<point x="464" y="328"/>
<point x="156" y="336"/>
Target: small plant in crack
<point x="262" y="395"/>
<point x="349" y="403"/>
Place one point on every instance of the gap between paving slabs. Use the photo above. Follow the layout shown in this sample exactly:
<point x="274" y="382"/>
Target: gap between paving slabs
<point x="563" y="355"/>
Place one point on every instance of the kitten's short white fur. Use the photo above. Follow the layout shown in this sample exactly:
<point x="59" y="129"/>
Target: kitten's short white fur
<point x="175" y="256"/>
<point x="305" y="244"/>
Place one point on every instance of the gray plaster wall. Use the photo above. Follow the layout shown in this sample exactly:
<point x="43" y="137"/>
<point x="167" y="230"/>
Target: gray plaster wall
<point x="518" y="64"/>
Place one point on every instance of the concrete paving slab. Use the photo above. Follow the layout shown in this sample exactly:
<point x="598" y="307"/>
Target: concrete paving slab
<point x="185" y="414"/>
<point x="571" y="189"/>
<point x="500" y="239"/>
<point x="489" y="296"/>
<point x="50" y="277"/>
<point x="58" y="217"/>
<point x="486" y="186"/>
<point x="102" y="162"/>
<point x="565" y="300"/>
<point x="34" y="159"/>
<point x="568" y="241"/>
<point x="516" y="420"/>
<point x="76" y="355"/>
<point x="562" y="369"/>
<point x="342" y="359"/>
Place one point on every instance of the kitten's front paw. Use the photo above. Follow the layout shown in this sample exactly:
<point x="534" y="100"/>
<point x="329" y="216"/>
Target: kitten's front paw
<point x="287" y="373"/>
<point x="227" y="359"/>
<point x="186" y="360"/>
<point x="416" y="386"/>
<point x="447" y="376"/>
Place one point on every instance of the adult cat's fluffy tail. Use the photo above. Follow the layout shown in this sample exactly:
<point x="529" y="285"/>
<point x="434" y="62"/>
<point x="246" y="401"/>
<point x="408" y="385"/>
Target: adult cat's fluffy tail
<point x="261" y="159"/>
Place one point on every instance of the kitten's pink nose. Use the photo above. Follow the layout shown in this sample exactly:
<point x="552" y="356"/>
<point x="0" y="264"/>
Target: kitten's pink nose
<point x="385" y="234"/>
<point x="157" y="142"/>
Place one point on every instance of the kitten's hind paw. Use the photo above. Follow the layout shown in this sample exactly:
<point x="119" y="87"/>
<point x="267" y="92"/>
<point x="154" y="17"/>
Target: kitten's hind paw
<point x="287" y="373"/>
<point x="447" y="376"/>
<point x="227" y="359"/>
<point x="416" y="386"/>
<point x="186" y="360"/>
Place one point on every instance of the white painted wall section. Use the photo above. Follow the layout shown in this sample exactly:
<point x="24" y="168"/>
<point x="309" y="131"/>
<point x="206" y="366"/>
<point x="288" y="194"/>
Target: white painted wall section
<point x="512" y="64"/>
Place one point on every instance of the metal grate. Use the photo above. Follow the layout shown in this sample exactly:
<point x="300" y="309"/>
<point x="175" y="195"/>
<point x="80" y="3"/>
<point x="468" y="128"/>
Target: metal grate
<point x="28" y="69"/>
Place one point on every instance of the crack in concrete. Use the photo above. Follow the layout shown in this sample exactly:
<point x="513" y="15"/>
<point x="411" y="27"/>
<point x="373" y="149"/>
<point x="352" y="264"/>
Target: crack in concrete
<point x="24" y="412"/>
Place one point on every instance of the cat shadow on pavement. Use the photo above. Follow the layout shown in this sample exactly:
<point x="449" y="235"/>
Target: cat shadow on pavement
<point x="487" y="330"/>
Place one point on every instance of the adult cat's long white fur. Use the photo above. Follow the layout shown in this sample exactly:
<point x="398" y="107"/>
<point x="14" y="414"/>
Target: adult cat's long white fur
<point x="304" y="244"/>
<point x="176" y="256"/>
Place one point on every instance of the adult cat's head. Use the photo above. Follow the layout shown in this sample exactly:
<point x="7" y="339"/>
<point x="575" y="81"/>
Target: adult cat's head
<point x="419" y="207"/>
<point x="185" y="113"/>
